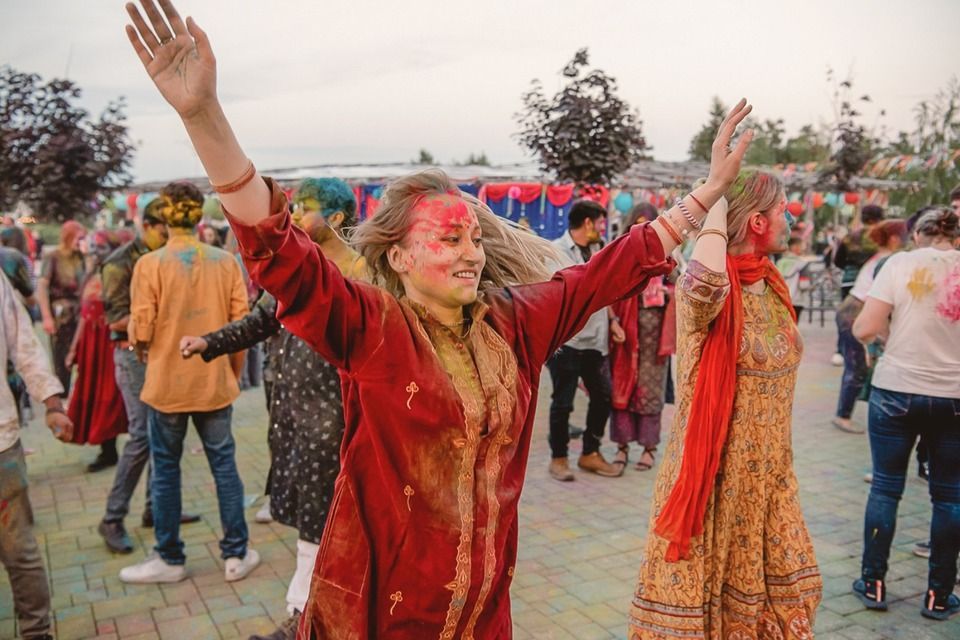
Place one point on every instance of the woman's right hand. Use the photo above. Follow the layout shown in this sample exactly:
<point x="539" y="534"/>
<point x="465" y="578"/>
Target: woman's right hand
<point x="724" y="160"/>
<point x="176" y="55"/>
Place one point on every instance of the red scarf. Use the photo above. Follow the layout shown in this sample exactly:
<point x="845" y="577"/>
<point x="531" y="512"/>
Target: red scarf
<point x="712" y="406"/>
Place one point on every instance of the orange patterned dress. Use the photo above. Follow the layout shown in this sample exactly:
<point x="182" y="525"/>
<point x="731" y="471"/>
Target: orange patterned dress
<point x="752" y="572"/>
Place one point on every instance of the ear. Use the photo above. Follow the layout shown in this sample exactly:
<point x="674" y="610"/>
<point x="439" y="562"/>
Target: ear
<point x="335" y="220"/>
<point x="397" y="257"/>
<point x="758" y="223"/>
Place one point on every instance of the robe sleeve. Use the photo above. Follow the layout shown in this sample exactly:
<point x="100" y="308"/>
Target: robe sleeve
<point x="340" y="319"/>
<point x="552" y="312"/>
<point x="253" y="328"/>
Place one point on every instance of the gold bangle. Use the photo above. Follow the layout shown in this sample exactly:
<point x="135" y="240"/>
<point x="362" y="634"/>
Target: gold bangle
<point x="239" y="183"/>
<point x="716" y="232"/>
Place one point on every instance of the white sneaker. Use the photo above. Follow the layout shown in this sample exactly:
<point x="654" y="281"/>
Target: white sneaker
<point x="837" y="360"/>
<point x="238" y="569"/>
<point x="263" y="515"/>
<point x="153" y="570"/>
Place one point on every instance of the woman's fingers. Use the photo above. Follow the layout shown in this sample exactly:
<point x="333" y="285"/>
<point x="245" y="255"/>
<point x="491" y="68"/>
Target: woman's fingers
<point x="146" y="33"/>
<point x="175" y="22"/>
<point x="742" y="145"/>
<point x="733" y="119"/>
<point x="200" y="39"/>
<point x="156" y="19"/>
<point x="145" y="56"/>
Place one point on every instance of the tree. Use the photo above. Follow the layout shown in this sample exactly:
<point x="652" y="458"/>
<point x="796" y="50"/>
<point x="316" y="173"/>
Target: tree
<point x="853" y="144"/>
<point x="425" y="157"/>
<point x="701" y="145"/>
<point x="477" y="160"/>
<point x="809" y="145"/>
<point x="53" y="156"/>
<point x="585" y="133"/>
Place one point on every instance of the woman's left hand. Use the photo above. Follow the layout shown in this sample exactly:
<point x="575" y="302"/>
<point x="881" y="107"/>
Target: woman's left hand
<point x="724" y="161"/>
<point x="617" y="334"/>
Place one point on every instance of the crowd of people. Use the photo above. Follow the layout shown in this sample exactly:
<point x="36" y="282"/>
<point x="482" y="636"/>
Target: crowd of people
<point x="402" y="363"/>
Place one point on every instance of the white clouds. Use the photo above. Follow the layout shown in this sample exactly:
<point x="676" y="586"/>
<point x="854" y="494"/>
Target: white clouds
<point x="374" y="81"/>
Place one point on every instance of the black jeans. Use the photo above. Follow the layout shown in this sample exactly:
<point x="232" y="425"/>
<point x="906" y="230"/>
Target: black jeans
<point x="896" y="419"/>
<point x="567" y="367"/>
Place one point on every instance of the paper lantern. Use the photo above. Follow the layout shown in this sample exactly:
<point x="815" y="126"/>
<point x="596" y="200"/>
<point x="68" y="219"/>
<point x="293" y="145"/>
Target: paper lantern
<point x="623" y="202"/>
<point x="795" y="208"/>
<point x="144" y="199"/>
<point x="817" y="200"/>
<point x="513" y="192"/>
<point x="851" y="197"/>
<point x="832" y="199"/>
<point x="120" y="202"/>
<point x="132" y="200"/>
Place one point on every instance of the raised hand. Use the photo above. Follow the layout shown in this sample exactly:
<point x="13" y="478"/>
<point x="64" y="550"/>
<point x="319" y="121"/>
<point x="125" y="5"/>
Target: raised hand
<point x="724" y="161"/>
<point x="176" y="55"/>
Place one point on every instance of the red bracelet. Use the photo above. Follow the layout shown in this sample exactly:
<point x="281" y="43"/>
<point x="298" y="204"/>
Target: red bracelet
<point x="699" y="204"/>
<point x="239" y="183"/>
<point x="670" y="230"/>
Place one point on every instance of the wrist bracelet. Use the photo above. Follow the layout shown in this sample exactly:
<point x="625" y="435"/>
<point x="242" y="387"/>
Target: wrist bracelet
<point x="239" y="183"/>
<point x="696" y="224"/>
<point x="668" y="227"/>
<point x="699" y="204"/>
<point x="716" y="232"/>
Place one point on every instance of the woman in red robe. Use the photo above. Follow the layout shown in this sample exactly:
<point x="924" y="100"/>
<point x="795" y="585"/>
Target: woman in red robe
<point x="96" y="406"/>
<point x="440" y="363"/>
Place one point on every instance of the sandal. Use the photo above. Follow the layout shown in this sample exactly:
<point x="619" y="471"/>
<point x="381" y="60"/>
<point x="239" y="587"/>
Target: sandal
<point x="642" y="464"/>
<point x="622" y="457"/>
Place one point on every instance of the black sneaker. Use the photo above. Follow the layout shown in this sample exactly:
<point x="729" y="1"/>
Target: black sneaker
<point x="939" y="607"/>
<point x="115" y="536"/>
<point x="102" y="462"/>
<point x="575" y="432"/>
<point x="872" y="593"/>
<point x="922" y="549"/>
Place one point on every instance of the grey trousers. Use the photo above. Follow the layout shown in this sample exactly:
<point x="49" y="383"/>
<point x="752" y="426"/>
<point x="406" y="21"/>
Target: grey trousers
<point x="18" y="547"/>
<point x="130" y="374"/>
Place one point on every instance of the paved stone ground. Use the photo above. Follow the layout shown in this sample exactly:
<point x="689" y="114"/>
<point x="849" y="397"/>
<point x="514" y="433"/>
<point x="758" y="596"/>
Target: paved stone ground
<point x="580" y="542"/>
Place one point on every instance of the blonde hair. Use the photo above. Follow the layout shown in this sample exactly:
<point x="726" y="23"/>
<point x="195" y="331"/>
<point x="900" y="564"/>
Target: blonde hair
<point x="514" y="256"/>
<point x="752" y="191"/>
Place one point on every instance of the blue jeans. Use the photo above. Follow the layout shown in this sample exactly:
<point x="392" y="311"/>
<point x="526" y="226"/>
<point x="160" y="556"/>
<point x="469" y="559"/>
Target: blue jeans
<point x="854" y="370"/>
<point x="167" y="431"/>
<point x="130" y="373"/>
<point x="896" y="419"/>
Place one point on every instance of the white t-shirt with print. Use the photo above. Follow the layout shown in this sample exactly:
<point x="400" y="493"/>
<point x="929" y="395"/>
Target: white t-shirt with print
<point x="922" y="354"/>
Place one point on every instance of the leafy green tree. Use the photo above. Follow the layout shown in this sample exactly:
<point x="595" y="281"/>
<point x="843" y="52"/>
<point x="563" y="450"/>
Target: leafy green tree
<point x="853" y="143"/>
<point x="425" y="157"/>
<point x="808" y="145"/>
<point x="585" y="133"/>
<point x="53" y="155"/>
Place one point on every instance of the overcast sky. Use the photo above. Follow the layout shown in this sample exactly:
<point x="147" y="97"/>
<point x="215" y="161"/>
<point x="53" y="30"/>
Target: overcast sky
<point x="374" y="81"/>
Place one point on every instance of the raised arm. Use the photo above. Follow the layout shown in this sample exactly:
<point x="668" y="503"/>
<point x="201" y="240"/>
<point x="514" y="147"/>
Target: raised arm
<point x="179" y="60"/>
<point x="258" y="325"/>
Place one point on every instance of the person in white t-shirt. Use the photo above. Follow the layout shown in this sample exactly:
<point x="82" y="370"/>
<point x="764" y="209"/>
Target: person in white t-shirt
<point x="889" y="236"/>
<point x="914" y="304"/>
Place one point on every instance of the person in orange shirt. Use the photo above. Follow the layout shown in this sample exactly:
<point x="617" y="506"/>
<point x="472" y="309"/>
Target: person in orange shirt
<point x="188" y="288"/>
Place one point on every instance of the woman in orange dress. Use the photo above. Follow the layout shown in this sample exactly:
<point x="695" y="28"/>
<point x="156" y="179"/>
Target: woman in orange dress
<point x="728" y="554"/>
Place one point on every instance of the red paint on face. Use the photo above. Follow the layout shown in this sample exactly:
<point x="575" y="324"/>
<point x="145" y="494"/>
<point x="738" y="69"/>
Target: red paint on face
<point x="442" y="252"/>
<point x="776" y="236"/>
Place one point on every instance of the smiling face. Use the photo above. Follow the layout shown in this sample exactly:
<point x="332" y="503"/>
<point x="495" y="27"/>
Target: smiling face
<point x="441" y="258"/>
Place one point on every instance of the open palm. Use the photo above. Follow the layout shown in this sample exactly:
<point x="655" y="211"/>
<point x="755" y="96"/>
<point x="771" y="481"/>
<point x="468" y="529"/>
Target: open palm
<point x="176" y="55"/>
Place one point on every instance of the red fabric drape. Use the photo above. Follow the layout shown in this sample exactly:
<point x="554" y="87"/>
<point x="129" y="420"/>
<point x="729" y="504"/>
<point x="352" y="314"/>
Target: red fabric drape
<point x="712" y="407"/>
<point x="529" y="191"/>
<point x="560" y="194"/>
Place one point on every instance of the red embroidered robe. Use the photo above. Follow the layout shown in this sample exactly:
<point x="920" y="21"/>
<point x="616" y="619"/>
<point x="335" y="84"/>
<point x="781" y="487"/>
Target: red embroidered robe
<point x="421" y="539"/>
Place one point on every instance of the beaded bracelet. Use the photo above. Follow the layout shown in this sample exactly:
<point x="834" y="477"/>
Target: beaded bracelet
<point x="696" y="224"/>
<point x="699" y="204"/>
<point x="718" y="232"/>
<point x="668" y="227"/>
<point x="239" y="183"/>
